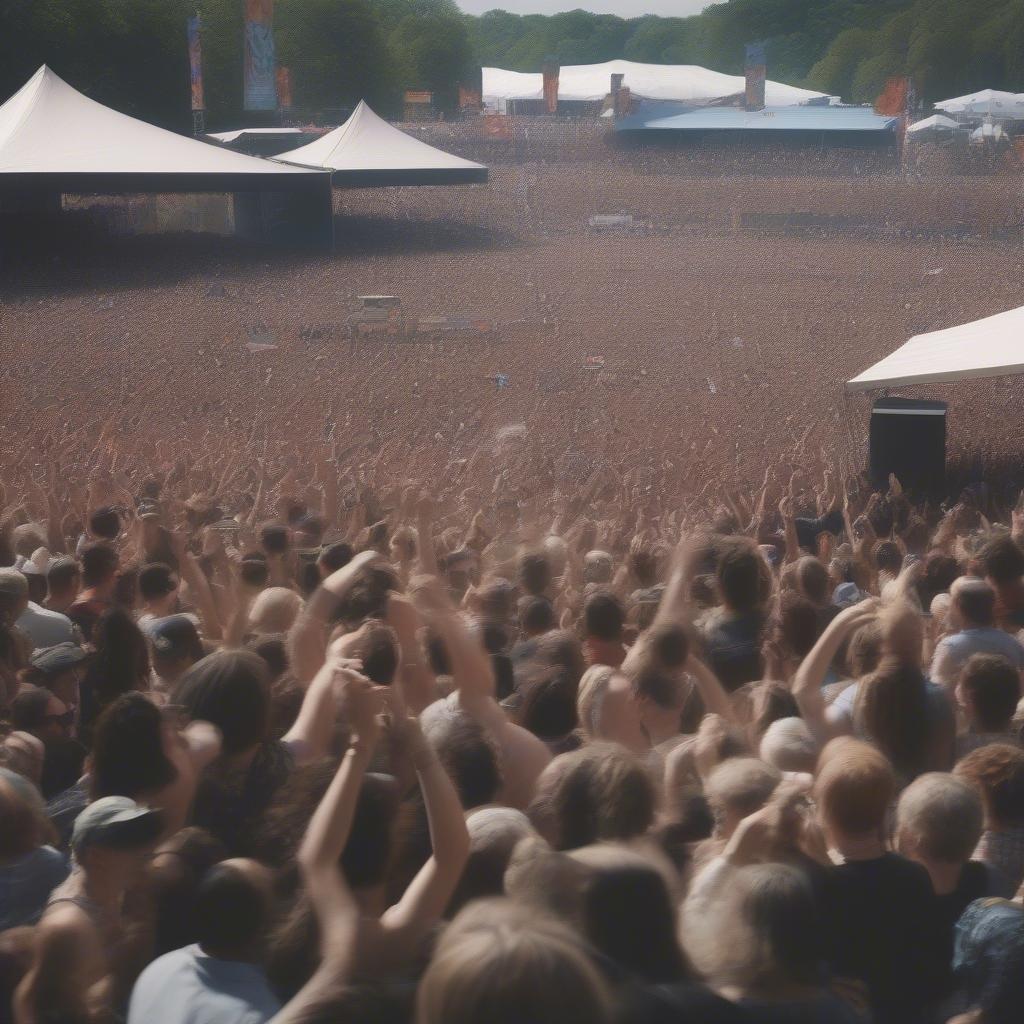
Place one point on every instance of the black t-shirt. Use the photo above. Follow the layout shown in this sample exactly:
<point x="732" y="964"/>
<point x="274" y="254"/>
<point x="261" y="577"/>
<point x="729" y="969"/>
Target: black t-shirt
<point x="732" y="646"/>
<point x="685" y="1003"/>
<point x="883" y="927"/>
<point x="821" y="1009"/>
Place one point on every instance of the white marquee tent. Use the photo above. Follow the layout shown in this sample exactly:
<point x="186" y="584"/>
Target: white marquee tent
<point x="993" y="347"/>
<point x="55" y="139"/>
<point x="366" y="151"/>
<point x="936" y="122"/>
<point x="987" y="101"/>
<point x="683" y="83"/>
<point x="241" y="133"/>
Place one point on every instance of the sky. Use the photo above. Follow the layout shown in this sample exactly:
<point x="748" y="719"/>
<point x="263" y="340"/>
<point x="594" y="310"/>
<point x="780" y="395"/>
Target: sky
<point x="623" y="8"/>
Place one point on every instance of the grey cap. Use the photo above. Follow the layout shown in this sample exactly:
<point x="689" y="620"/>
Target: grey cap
<point x="116" y="822"/>
<point x="58" y="658"/>
<point x="13" y="582"/>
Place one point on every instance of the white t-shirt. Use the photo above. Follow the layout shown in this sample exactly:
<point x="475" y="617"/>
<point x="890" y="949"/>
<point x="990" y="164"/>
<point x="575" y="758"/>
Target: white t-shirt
<point x="189" y="987"/>
<point x="45" y="628"/>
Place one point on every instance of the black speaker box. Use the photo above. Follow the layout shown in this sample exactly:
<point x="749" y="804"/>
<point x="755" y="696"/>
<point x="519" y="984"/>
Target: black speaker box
<point x="908" y="438"/>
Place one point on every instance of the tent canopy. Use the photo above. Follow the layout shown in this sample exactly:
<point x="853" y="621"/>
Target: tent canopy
<point x="993" y="347"/>
<point x="936" y="121"/>
<point x="53" y="138"/>
<point x="987" y="101"/>
<point x="239" y="133"/>
<point x="366" y="152"/>
<point x="778" y="119"/>
<point x="686" y="83"/>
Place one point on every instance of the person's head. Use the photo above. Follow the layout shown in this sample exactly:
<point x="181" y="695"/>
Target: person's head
<point x="253" y="570"/>
<point x="274" y="610"/>
<point x="787" y="744"/>
<point x="737" y="788"/>
<point x="660" y="691"/>
<point x="274" y="539"/>
<point x="865" y="650"/>
<point x="376" y="646"/>
<point x="763" y="936"/>
<point x="939" y="819"/>
<point x="1003" y="561"/>
<point x="974" y="602"/>
<point x="628" y="914"/>
<point x="231" y="690"/>
<point x="797" y="625"/>
<point x="812" y="579"/>
<point x="22" y="817"/>
<point x="175" y="645"/>
<point x="740" y="577"/>
<point x="507" y="965"/>
<point x="333" y="557"/>
<point x="63" y="581"/>
<point x="36" y="580"/>
<point x="466" y="752"/>
<point x="854" y="790"/>
<point x="60" y="669"/>
<point x="537" y="617"/>
<point x="131" y="747"/>
<point x="158" y="588"/>
<point x="997" y="770"/>
<point x="105" y="524"/>
<point x="547" y="705"/>
<point x="599" y="792"/>
<point x="534" y="573"/>
<point x="114" y="837"/>
<point x="121" y="661"/>
<point x="99" y="567"/>
<point x="888" y="557"/>
<point x="603" y="617"/>
<point x="309" y="531"/>
<point x="494" y="833"/>
<point x="940" y="572"/>
<point x="598" y="568"/>
<point x="988" y="690"/>
<point x="234" y="910"/>
<point x="892" y="712"/>
<point x="36" y="710"/>
<point x="643" y="564"/>
<point x="13" y="595"/>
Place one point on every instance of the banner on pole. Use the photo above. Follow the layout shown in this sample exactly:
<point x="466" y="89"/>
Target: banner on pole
<point x="195" y="60"/>
<point x="260" y="60"/>
<point x="284" y="88"/>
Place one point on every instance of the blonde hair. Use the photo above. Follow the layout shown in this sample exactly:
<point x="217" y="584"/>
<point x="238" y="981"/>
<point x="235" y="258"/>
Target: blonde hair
<point x="944" y="815"/>
<point x="509" y="965"/>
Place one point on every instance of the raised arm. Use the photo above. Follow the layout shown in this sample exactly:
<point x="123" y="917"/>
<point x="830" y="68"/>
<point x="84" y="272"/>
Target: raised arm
<point x="425" y="553"/>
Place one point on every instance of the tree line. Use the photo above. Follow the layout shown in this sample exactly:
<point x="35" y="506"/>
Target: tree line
<point x="132" y="54"/>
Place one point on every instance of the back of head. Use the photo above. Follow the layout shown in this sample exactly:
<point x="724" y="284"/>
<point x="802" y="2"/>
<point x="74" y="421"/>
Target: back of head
<point x="888" y="557"/>
<point x="505" y="966"/>
<point x="537" y="616"/>
<point x="599" y="792"/>
<point x="231" y="690"/>
<point x="854" y="788"/>
<point x="62" y="574"/>
<point x="494" y="833"/>
<point x="998" y="771"/>
<point x="534" y="573"/>
<point x="975" y="600"/>
<point x="604" y="617"/>
<point x="468" y="756"/>
<point x="740" y="577"/>
<point x="788" y="745"/>
<point x="798" y="623"/>
<point x="892" y="711"/>
<point x="939" y="818"/>
<point x="377" y="647"/>
<point x="812" y="578"/>
<point x="105" y="524"/>
<point x="29" y="708"/>
<point x="128" y="756"/>
<point x="1003" y="559"/>
<point x="741" y="785"/>
<point x="99" y="564"/>
<point x="20" y="817"/>
<point x="991" y="687"/>
<point x="274" y="610"/>
<point x="156" y="580"/>
<point x="122" y="654"/>
<point x="232" y="910"/>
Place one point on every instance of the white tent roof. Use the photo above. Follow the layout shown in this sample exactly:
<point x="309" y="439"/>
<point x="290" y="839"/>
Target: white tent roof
<point x="367" y="151"/>
<point x="684" y="83"/>
<point x="987" y="101"/>
<point x="993" y="347"/>
<point x="51" y="136"/>
<point x="935" y="121"/>
<point x="239" y="132"/>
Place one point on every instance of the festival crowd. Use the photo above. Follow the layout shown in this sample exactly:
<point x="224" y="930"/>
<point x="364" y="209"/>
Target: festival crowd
<point x="312" y="746"/>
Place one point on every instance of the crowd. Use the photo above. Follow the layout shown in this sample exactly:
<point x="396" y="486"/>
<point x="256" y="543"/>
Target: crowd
<point x="305" y="744"/>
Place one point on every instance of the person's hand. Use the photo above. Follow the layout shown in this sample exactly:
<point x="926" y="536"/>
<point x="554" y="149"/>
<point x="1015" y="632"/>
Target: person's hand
<point x="401" y="616"/>
<point x="406" y="738"/>
<point x="768" y="833"/>
<point x="363" y="702"/>
<point x="341" y="579"/>
<point x="895" y="487"/>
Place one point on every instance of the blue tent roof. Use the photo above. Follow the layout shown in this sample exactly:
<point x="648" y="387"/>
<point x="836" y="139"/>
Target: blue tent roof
<point x="787" y="119"/>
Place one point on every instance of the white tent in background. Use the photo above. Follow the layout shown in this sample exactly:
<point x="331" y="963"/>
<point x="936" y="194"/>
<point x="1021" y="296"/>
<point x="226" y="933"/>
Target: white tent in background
<point x="937" y="122"/>
<point x="988" y="132"/>
<point x="241" y="133"/>
<point x="993" y="347"/>
<point x="988" y="101"/>
<point x="367" y="152"/>
<point x="683" y="83"/>
<point x="55" y="139"/>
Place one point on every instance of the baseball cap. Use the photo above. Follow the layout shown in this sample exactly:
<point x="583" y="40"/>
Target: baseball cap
<point x="13" y="582"/>
<point x="148" y="510"/>
<point x="847" y="594"/>
<point x="58" y="658"/>
<point x="175" y="636"/>
<point x="115" y="822"/>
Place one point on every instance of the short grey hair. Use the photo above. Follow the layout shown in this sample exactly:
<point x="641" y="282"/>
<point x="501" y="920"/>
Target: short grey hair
<point x="944" y="814"/>
<point x="788" y="745"/>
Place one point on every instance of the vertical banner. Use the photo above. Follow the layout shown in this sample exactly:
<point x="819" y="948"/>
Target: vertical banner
<point x="469" y="98"/>
<point x="195" y="61"/>
<point x="551" y="72"/>
<point x="893" y="100"/>
<point x="755" y="68"/>
<point x="283" y="78"/>
<point x="260" y="83"/>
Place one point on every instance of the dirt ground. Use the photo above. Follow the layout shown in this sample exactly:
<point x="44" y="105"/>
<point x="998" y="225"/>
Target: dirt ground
<point x="727" y="318"/>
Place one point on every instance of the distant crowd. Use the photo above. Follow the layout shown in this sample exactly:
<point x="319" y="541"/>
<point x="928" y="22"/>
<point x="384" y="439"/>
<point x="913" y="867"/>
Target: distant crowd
<point x="299" y="743"/>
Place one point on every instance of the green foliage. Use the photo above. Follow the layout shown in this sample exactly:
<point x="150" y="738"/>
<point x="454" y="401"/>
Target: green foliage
<point x="131" y="54"/>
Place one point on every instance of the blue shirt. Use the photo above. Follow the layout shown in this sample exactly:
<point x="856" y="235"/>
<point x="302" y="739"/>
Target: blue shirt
<point x="26" y="884"/>
<point x="952" y="652"/>
<point x="188" y="987"/>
